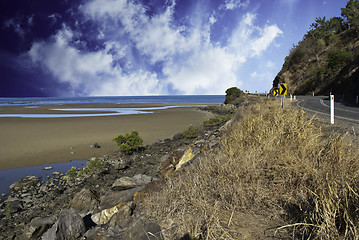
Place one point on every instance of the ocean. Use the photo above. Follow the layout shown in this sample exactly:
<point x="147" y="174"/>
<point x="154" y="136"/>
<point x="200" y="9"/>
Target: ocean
<point x="170" y="99"/>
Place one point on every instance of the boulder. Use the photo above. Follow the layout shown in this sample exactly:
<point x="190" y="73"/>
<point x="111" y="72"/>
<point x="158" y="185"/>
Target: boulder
<point x="169" y="166"/>
<point x="69" y="225"/>
<point x="128" y="183"/>
<point x="85" y="200"/>
<point x="113" y="198"/>
<point x="124" y="183"/>
<point x="151" y="187"/>
<point x="121" y="164"/>
<point x="143" y="230"/>
<point x="38" y="226"/>
<point x="186" y="157"/>
<point x="95" y="145"/>
<point x="13" y="205"/>
<point x="24" y="184"/>
<point x="96" y="233"/>
<point x="115" y="214"/>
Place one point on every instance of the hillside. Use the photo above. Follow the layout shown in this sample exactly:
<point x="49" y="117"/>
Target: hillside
<point x="327" y="58"/>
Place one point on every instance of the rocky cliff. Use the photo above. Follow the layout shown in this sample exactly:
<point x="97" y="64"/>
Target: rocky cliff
<point x="326" y="60"/>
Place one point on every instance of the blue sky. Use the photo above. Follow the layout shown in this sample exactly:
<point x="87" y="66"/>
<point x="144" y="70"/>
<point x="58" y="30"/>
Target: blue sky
<point x="153" y="47"/>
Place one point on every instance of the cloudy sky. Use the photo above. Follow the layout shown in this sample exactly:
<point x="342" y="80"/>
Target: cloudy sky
<point x="148" y="47"/>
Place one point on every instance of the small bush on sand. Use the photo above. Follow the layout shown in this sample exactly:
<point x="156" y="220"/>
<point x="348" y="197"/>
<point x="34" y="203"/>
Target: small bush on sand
<point x="216" y="121"/>
<point x="71" y="173"/>
<point x="129" y="142"/>
<point x="276" y="174"/>
<point x="94" y="165"/>
<point x="191" y="132"/>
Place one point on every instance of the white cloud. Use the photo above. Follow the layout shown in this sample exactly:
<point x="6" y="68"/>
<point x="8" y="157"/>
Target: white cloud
<point x="268" y="34"/>
<point x="92" y="71"/>
<point x="249" y="40"/>
<point x="135" y="43"/>
<point x="16" y="25"/>
<point x="154" y="36"/>
<point x="232" y="4"/>
<point x="209" y="70"/>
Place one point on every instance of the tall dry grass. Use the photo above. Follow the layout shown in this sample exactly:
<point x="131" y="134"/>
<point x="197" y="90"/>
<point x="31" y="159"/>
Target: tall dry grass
<point x="276" y="175"/>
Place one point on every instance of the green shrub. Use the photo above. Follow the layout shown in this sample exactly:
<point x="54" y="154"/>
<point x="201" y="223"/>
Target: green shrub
<point x="92" y="166"/>
<point x="71" y="173"/>
<point x="130" y="142"/>
<point x="216" y="121"/>
<point x="190" y="132"/>
<point x="337" y="58"/>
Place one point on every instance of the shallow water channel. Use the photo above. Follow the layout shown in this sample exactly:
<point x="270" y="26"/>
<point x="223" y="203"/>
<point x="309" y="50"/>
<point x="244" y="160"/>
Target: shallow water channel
<point x="9" y="176"/>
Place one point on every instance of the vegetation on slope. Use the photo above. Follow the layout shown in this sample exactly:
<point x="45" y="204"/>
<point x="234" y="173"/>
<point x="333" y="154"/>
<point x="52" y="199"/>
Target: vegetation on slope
<point x="327" y="58"/>
<point x="275" y="174"/>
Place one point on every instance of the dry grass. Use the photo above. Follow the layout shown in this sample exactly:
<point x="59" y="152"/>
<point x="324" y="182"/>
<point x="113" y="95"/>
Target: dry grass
<point x="276" y="175"/>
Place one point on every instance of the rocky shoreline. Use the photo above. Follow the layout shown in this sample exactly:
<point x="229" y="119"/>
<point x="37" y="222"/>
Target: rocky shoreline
<point x="102" y="200"/>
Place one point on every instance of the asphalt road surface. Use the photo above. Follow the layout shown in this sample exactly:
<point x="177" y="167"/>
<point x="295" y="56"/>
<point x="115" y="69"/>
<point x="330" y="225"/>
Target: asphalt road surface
<point x="321" y="105"/>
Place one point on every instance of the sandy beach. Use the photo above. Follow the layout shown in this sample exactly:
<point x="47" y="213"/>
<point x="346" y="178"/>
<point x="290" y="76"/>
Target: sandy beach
<point x="35" y="141"/>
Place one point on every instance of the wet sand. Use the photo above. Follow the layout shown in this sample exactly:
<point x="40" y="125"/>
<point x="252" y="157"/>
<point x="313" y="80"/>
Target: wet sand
<point x="35" y="141"/>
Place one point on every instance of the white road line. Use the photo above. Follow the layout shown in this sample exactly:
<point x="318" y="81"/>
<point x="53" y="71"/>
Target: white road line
<point x="322" y="102"/>
<point x="339" y="117"/>
<point x="325" y="105"/>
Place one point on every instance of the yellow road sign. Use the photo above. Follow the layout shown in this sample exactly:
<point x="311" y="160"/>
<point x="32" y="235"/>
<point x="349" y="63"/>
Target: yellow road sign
<point x="283" y="89"/>
<point x="276" y="92"/>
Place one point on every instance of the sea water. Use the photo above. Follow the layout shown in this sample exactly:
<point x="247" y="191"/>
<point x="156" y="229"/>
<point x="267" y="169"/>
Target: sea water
<point x="170" y="99"/>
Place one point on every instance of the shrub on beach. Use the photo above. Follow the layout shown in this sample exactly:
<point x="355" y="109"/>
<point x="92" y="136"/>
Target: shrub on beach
<point x="94" y="165"/>
<point x="129" y="142"/>
<point x="71" y="173"/>
<point x="191" y="132"/>
<point x="216" y="121"/>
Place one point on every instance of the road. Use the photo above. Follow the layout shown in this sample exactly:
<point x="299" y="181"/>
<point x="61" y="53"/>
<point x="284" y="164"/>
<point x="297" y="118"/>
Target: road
<point x="321" y="105"/>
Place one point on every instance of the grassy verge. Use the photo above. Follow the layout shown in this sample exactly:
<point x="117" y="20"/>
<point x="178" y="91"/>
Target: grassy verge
<point x="276" y="174"/>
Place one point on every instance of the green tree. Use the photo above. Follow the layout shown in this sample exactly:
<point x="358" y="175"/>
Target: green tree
<point x="232" y="94"/>
<point x="351" y="13"/>
<point x="130" y="142"/>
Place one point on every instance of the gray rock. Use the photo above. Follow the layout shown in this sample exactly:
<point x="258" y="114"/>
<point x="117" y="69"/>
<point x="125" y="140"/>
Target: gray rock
<point x="38" y="226"/>
<point x="114" y="214"/>
<point x="142" y="179"/>
<point x="24" y="184"/>
<point x="69" y="225"/>
<point x="113" y="198"/>
<point x="122" y="164"/>
<point x="144" y="230"/>
<point x="95" y="145"/>
<point x="128" y="183"/>
<point x="85" y="200"/>
<point x="13" y="205"/>
<point x="41" y="221"/>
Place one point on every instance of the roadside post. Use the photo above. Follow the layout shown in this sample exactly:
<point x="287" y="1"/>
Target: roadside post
<point x="357" y="99"/>
<point x="332" y="109"/>
<point x="283" y="92"/>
